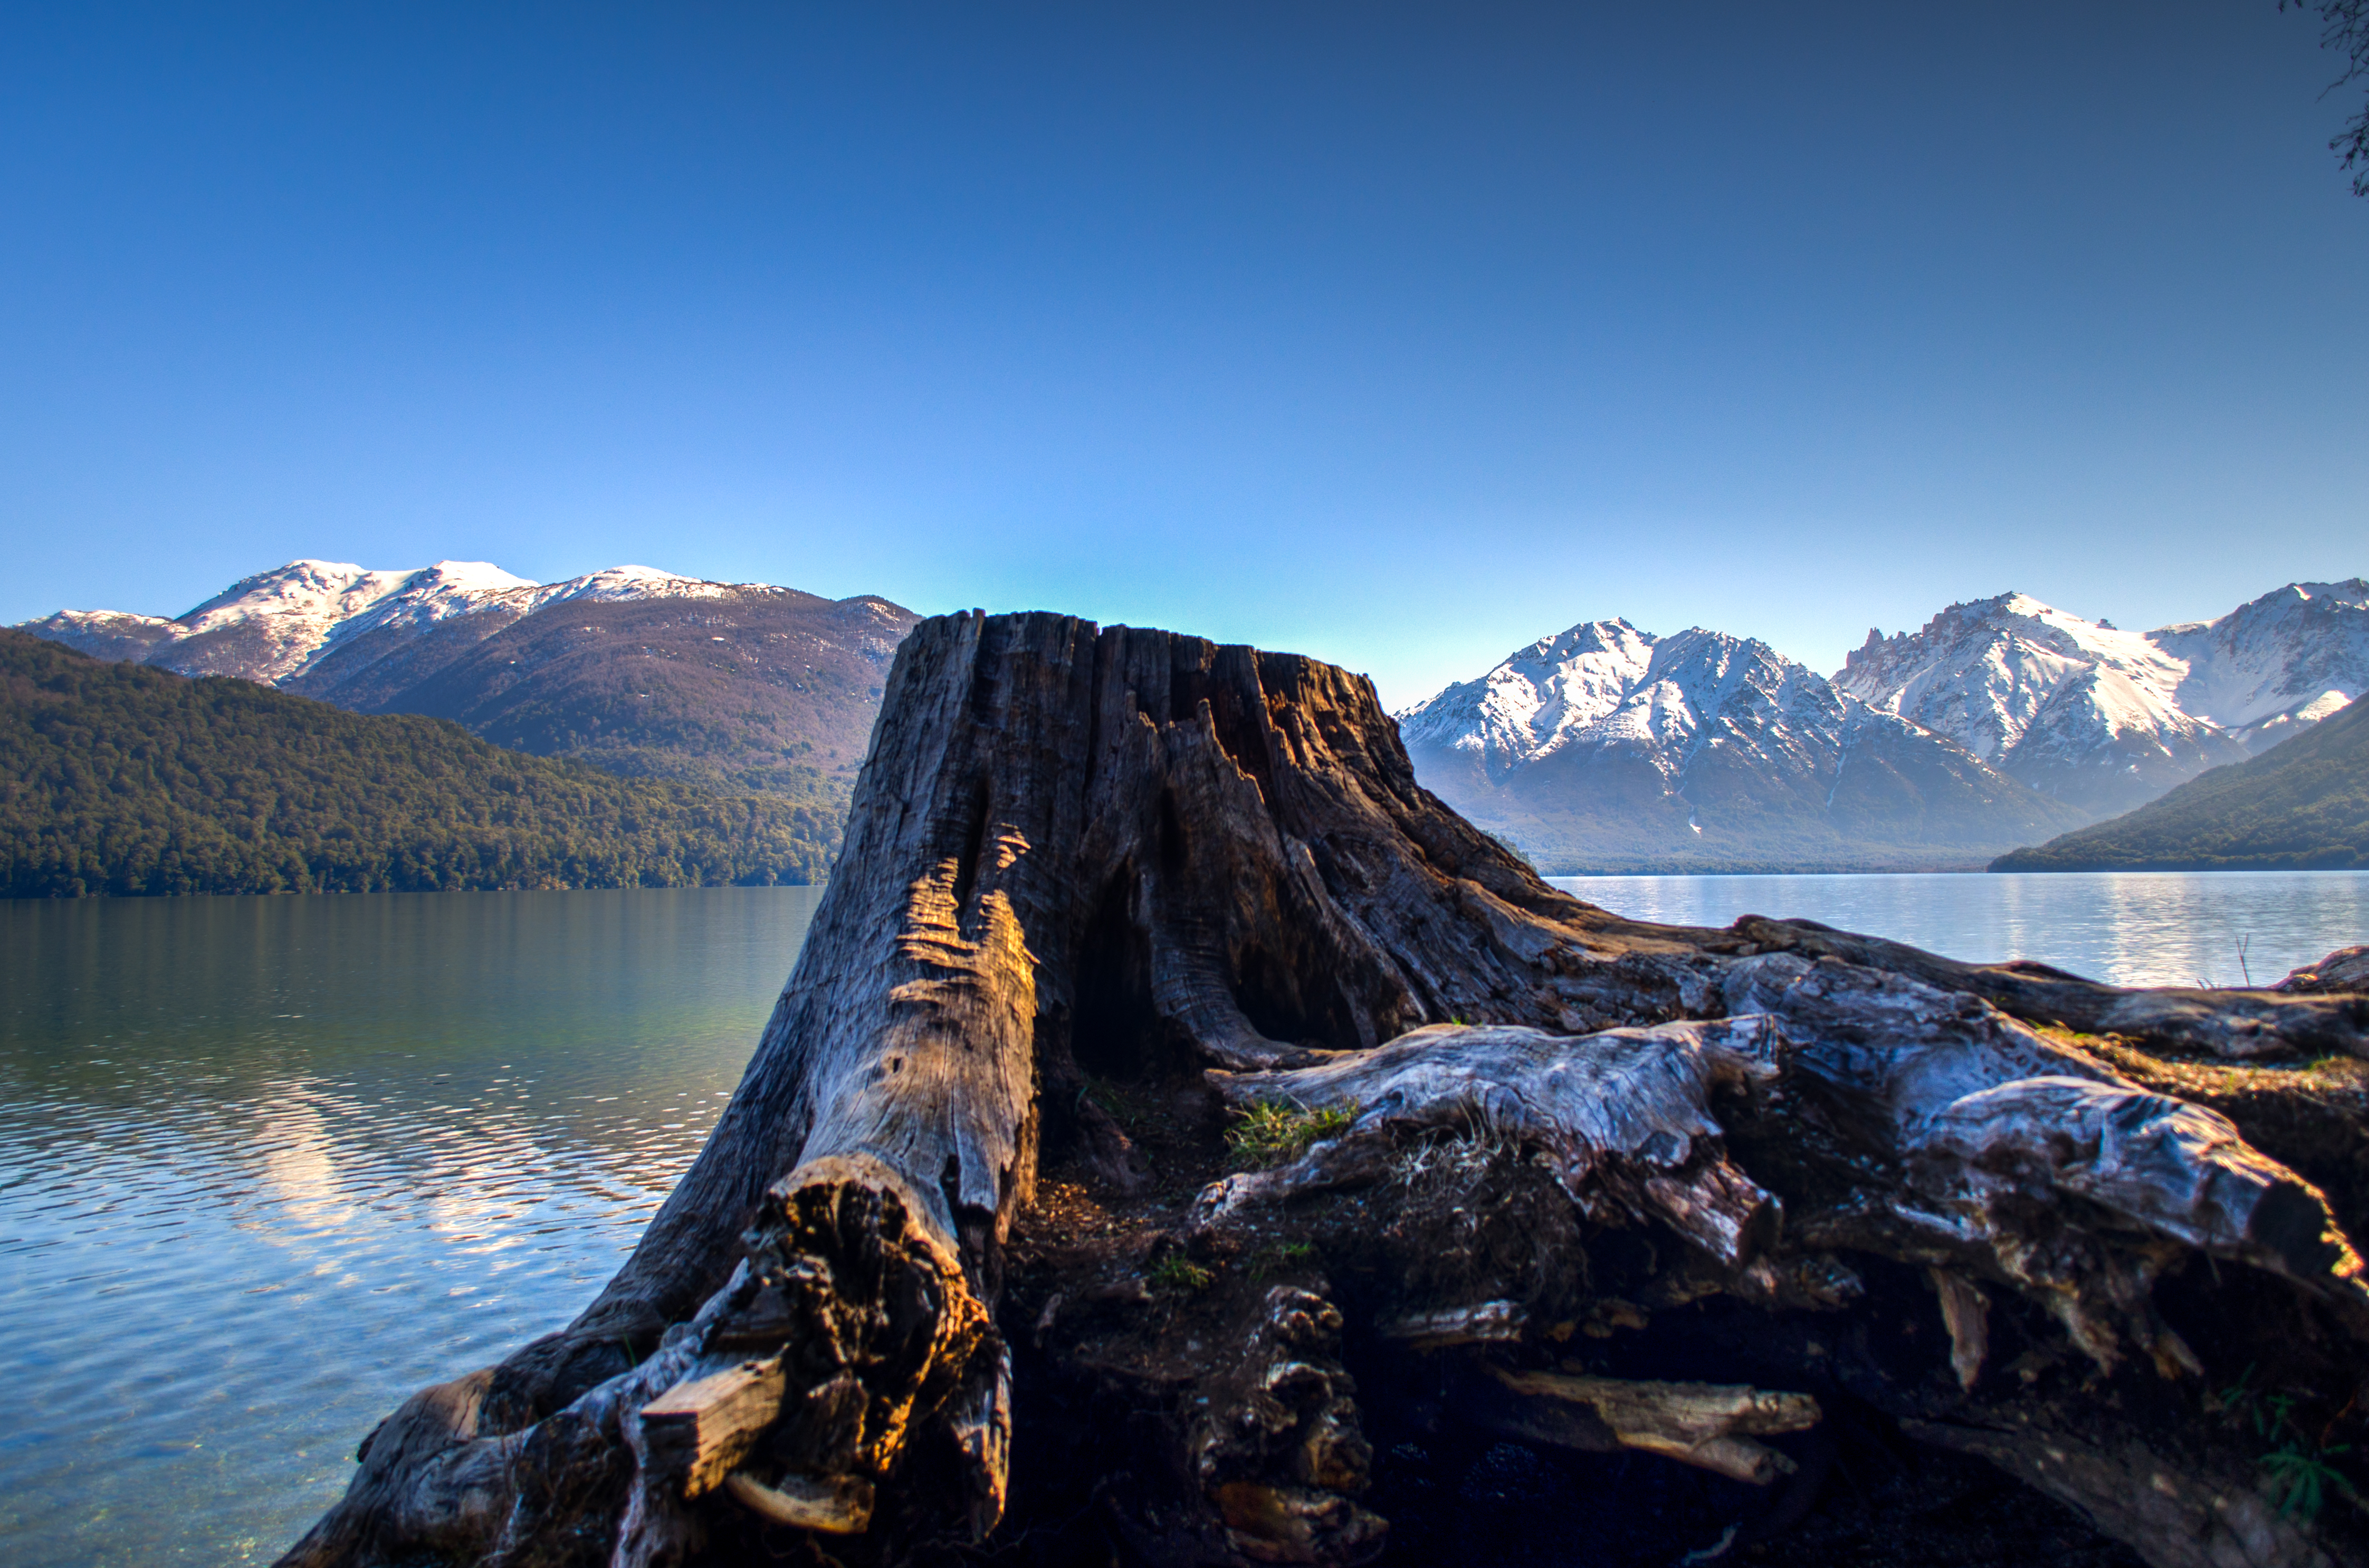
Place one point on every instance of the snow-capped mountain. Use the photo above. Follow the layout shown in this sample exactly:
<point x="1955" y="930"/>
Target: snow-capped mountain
<point x="2278" y="665"/>
<point x="2105" y="719"/>
<point x="739" y="685"/>
<point x="2076" y="709"/>
<point x="273" y="627"/>
<point x="1608" y="747"/>
<point x="1535" y="702"/>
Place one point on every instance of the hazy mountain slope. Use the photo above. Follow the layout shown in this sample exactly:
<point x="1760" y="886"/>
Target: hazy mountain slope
<point x="763" y="689"/>
<point x="1607" y="749"/>
<point x="124" y="780"/>
<point x="2107" y="719"/>
<point x="735" y="686"/>
<point x="2076" y="709"/>
<point x="2279" y="664"/>
<point x="2302" y="804"/>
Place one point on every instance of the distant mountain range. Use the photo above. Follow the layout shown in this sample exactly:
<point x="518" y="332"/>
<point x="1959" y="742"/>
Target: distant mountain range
<point x="1609" y="748"/>
<point x="2108" y="719"/>
<point x="2002" y="722"/>
<point x="733" y="686"/>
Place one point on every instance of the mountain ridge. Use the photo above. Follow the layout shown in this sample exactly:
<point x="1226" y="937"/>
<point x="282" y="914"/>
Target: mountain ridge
<point x="733" y="687"/>
<point x="1607" y="749"/>
<point x="274" y="625"/>
<point x="2107" y="719"/>
<point x="1999" y="722"/>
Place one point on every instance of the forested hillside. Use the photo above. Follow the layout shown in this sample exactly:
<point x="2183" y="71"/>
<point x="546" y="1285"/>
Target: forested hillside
<point x="736" y="687"/>
<point x="2302" y="805"/>
<point x="122" y="779"/>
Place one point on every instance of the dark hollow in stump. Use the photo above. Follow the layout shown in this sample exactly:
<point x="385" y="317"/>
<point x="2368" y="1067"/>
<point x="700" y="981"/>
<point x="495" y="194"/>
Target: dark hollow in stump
<point x="1172" y="1101"/>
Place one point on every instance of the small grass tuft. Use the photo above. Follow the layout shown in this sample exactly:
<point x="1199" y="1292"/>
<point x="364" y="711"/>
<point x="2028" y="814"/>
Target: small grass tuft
<point x="2295" y="1465"/>
<point x="1271" y="1132"/>
<point x="2301" y="1479"/>
<point x="1177" y="1272"/>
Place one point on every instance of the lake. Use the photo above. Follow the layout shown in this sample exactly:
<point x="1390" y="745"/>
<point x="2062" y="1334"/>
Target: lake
<point x="268" y="1166"/>
<point x="2125" y="927"/>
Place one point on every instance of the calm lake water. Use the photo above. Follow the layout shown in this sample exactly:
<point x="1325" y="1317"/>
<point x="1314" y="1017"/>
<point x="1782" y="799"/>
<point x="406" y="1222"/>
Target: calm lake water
<point x="2125" y="928"/>
<point x="266" y="1165"/>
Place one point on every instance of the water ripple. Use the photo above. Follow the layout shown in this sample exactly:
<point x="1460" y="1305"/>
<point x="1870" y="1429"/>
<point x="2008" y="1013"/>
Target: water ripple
<point x="237" y="1238"/>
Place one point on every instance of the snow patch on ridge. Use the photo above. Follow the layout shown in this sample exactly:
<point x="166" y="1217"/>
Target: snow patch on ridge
<point x="274" y="625"/>
<point x="1605" y="686"/>
<point x="1539" y="699"/>
<point x="2107" y="718"/>
<point x="2277" y="665"/>
<point x="1985" y="674"/>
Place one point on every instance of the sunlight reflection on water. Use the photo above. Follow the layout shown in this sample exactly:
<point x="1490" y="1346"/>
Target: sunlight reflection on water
<point x="2125" y="928"/>
<point x="266" y="1165"/>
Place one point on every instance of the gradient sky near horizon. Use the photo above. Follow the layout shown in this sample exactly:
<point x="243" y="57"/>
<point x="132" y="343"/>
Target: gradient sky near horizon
<point x="1400" y="334"/>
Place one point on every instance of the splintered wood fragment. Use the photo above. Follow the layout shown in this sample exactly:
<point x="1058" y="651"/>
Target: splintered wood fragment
<point x="1738" y="1459"/>
<point x="1295" y="1524"/>
<point x="834" y="1505"/>
<point x="1707" y="1425"/>
<point x="1965" y="1312"/>
<point x="980" y="1421"/>
<point x="1490" y="1322"/>
<point x="703" y="1426"/>
<point x="1680" y="1409"/>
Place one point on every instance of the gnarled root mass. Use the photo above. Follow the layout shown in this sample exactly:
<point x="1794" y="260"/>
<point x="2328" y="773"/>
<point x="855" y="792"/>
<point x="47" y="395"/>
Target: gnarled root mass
<point x="1183" y="1139"/>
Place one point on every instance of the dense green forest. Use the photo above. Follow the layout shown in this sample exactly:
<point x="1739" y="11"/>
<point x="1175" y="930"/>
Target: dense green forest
<point x="122" y="779"/>
<point x="2301" y="806"/>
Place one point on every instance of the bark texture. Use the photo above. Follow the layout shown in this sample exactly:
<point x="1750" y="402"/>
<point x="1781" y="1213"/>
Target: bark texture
<point x="1502" y="1164"/>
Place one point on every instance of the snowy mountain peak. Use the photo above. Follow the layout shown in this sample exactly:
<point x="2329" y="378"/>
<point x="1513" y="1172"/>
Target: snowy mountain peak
<point x="330" y="588"/>
<point x="476" y="576"/>
<point x="2276" y="665"/>
<point x="641" y="582"/>
<point x="276" y="626"/>
<point x="1606" y="746"/>
<point x="1607" y="683"/>
<point x="1539" y="698"/>
<point x="1985" y="672"/>
<point x="1999" y="718"/>
<point x="2109" y="718"/>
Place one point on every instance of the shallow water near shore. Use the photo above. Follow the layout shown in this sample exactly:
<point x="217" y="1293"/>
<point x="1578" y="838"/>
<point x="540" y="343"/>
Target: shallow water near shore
<point x="271" y="1164"/>
<point x="268" y="1166"/>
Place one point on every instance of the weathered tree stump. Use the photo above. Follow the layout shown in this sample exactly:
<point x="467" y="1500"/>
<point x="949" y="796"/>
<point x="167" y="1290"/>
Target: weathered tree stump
<point x="971" y="1258"/>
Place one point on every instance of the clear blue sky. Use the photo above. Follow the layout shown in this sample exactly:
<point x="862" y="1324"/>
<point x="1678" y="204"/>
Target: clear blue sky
<point x="1400" y="335"/>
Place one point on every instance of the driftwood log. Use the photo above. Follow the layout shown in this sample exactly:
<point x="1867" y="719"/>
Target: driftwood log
<point x="1177" y="1119"/>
